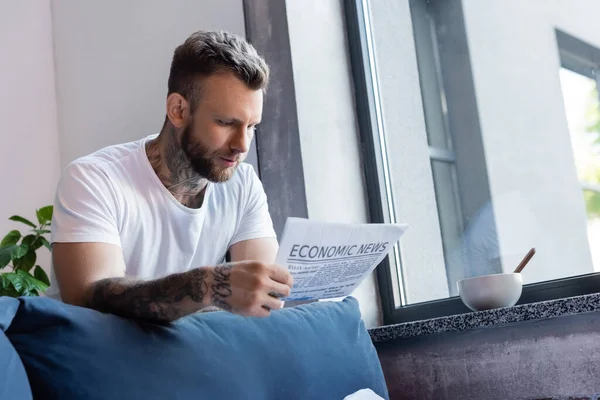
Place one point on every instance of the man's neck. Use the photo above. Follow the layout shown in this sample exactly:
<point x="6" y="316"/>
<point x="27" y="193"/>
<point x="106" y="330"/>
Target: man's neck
<point x="173" y="168"/>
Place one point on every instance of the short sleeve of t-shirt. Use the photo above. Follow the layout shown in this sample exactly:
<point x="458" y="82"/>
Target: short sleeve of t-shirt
<point x="255" y="221"/>
<point x="84" y="207"/>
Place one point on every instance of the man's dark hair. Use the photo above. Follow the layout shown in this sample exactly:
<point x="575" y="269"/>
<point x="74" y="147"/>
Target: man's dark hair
<point x="208" y="52"/>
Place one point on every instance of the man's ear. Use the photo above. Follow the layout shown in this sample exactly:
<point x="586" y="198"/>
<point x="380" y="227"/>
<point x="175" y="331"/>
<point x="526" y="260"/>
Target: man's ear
<point x="178" y="110"/>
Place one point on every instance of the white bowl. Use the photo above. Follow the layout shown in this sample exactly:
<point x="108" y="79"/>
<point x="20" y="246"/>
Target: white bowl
<point x="490" y="291"/>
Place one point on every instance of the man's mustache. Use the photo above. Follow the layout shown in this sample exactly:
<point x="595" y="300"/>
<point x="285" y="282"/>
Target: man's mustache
<point x="235" y="157"/>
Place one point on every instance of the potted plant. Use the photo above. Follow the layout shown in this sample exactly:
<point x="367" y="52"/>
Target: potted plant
<point x="19" y="273"/>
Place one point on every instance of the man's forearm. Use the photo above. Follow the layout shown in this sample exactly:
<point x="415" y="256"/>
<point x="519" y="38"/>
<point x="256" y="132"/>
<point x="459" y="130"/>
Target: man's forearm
<point x="160" y="300"/>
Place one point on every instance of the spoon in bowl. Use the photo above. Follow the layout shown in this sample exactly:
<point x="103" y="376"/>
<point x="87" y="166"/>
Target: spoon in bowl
<point x="525" y="260"/>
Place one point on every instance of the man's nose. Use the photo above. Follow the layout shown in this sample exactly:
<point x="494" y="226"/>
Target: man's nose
<point x="241" y="141"/>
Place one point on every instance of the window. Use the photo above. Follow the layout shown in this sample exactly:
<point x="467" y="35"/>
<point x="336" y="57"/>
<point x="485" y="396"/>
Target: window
<point x="579" y="76"/>
<point x="466" y="138"/>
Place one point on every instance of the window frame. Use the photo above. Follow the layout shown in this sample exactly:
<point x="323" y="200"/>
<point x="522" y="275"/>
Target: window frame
<point x="378" y="195"/>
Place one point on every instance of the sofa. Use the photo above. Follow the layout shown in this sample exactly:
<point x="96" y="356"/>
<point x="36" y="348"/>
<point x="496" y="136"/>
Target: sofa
<point x="51" y="350"/>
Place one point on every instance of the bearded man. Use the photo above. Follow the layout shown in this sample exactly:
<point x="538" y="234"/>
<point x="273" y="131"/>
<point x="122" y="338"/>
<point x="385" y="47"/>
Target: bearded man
<point x="142" y="229"/>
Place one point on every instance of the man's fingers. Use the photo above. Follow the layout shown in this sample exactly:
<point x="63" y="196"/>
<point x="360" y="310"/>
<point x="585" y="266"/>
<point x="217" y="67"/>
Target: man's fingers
<point x="281" y="275"/>
<point x="278" y="290"/>
<point x="272" y="303"/>
<point x="255" y="288"/>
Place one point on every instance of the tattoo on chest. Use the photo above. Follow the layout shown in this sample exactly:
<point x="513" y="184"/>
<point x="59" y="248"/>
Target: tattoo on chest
<point x="221" y="287"/>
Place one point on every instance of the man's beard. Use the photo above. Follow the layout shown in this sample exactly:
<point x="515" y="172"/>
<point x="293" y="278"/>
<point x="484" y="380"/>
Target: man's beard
<point x="201" y="159"/>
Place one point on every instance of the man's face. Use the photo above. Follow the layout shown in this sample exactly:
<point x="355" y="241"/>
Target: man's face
<point x="217" y="137"/>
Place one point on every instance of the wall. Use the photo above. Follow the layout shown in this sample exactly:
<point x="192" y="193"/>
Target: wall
<point x="515" y="61"/>
<point x="112" y="64"/>
<point x="29" y="164"/>
<point x="553" y="358"/>
<point x="328" y="125"/>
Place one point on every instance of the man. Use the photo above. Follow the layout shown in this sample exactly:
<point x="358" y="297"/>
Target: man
<point x="141" y="229"/>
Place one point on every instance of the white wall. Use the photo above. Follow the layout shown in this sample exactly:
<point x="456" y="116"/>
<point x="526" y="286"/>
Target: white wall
<point x="328" y="124"/>
<point x="112" y="64"/>
<point x="29" y="164"/>
<point x="515" y="60"/>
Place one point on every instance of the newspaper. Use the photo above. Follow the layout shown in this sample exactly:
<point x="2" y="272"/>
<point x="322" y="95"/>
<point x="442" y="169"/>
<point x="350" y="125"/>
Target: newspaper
<point x="330" y="259"/>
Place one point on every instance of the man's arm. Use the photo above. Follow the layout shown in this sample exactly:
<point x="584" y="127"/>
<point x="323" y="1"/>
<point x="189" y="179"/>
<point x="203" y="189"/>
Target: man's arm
<point x="264" y="250"/>
<point x="92" y="275"/>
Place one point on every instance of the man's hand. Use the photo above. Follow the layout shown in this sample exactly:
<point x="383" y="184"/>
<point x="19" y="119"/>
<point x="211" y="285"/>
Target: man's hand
<point x="249" y="288"/>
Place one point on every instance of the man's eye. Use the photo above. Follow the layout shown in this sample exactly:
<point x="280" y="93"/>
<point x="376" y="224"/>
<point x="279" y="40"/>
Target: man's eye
<point x="224" y="123"/>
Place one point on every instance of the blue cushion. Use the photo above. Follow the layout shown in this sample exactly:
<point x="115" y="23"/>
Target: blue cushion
<point x="13" y="379"/>
<point x="313" y="351"/>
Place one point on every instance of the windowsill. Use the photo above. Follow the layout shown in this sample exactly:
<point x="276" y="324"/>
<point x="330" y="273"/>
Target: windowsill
<point x="489" y="318"/>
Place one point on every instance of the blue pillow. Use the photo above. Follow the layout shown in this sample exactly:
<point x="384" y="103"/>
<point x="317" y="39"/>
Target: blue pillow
<point x="13" y="379"/>
<point x="313" y="351"/>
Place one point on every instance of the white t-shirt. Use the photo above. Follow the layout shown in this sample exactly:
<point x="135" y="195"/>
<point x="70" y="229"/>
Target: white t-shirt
<point x="114" y="196"/>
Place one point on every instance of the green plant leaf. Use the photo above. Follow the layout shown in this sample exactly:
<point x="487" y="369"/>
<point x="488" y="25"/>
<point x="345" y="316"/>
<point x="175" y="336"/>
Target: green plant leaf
<point x="15" y="281"/>
<point x="23" y="220"/>
<point x="45" y="242"/>
<point x="11" y="238"/>
<point x="44" y="215"/>
<point x="20" y="251"/>
<point x="30" y="283"/>
<point x="26" y="262"/>
<point x="28" y="240"/>
<point x="34" y="242"/>
<point x="40" y="275"/>
<point x="7" y="254"/>
<point x="41" y="231"/>
<point x="3" y="282"/>
<point x="6" y="288"/>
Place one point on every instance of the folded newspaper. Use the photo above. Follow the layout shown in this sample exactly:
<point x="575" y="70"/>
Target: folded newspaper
<point x="330" y="259"/>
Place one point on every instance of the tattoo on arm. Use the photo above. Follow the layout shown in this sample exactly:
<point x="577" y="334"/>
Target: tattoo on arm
<point x="221" y="287"/>
<point x="159" y="300"/>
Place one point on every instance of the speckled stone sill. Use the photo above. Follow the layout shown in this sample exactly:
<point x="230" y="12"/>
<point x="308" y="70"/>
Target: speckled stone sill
<point x="481" y="319"/>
